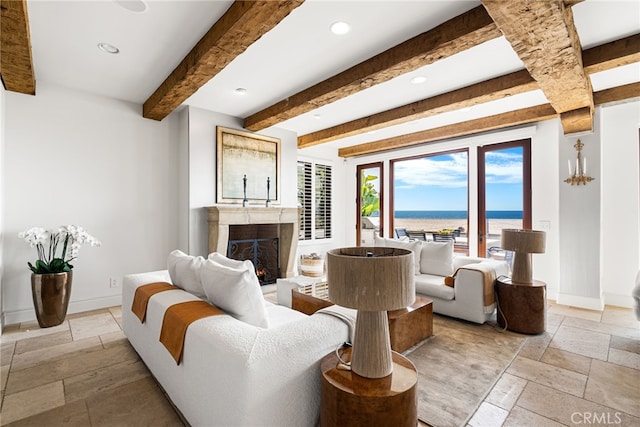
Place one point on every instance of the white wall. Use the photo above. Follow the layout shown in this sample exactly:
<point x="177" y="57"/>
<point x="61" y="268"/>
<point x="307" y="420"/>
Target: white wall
<point x="76" y="158"/>
<point x="620" y="188"/>
<point x="202" y="170"/>
<point x="2" y="202"/>
<point x="580" y="223"/>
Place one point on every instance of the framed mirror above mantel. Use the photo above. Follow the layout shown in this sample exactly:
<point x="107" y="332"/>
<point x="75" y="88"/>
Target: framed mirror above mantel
<point x="221" y="218"/>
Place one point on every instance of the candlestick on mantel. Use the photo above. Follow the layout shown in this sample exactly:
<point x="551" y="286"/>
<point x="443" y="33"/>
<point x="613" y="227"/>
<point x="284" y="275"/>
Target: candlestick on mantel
<point x="268" y="203"/>
<point x="245" y="201"/>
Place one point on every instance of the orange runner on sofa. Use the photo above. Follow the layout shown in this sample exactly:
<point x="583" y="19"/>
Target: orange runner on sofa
<point x="142" y="295"/>
<point x="177" y="319"/>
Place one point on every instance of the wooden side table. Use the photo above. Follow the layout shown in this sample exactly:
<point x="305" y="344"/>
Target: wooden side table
<point x="521" y="306"/>
<point x="351" y="400"/>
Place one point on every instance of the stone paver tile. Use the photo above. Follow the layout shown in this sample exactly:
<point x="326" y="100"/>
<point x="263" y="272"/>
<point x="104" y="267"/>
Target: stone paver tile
<point x="488" y="415"/>
<point x="506" y="391"/>
<point x="580" y="341"/>
<point x="614" y="386"/>
<point x="33" y="401"/>
<point x="566" y="360"/>
<point x="558" y="378"/>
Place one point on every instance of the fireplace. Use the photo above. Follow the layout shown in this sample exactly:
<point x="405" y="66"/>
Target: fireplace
<point x="230" y="224"/>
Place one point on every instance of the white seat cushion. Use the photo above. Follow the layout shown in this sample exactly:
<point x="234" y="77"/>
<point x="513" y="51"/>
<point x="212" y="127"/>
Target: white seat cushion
<point x="235" y="290"/>
<point x="431" y="285"/>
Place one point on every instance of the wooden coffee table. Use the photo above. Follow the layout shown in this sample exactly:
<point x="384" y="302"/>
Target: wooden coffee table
<point x="407" y="326"/>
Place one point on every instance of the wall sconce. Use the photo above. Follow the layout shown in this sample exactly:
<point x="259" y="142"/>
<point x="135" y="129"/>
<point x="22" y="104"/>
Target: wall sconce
<point x="579" y="174"/>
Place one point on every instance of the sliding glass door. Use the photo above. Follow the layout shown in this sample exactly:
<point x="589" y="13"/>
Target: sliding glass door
<point x="370" y="200"/>
<point x="504" y="192"/>
<point x="430" y="197"/>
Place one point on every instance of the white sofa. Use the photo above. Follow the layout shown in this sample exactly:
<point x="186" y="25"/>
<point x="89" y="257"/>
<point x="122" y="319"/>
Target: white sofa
<point x="436" y="260"/>
<point x="233" y="373"/>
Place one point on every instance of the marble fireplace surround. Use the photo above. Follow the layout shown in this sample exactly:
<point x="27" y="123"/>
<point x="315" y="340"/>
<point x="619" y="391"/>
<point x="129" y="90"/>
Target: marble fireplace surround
<point x="221" y="217"/>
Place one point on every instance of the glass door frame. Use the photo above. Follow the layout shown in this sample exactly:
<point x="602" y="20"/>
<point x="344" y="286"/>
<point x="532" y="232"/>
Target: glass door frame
<point x="359" y="169"/>
<point x="526" y="188"/>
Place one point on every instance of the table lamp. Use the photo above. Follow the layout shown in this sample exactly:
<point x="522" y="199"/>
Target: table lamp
<point x="371" y="280"/>
<point x="523" y="243"/>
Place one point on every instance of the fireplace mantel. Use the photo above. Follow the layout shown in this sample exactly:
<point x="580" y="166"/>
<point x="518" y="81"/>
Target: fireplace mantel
<point x="221" y="217"/>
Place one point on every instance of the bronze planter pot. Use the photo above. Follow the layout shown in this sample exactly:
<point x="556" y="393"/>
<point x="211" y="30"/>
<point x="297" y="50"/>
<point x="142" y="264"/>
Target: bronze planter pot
<point x="51" y="294"/>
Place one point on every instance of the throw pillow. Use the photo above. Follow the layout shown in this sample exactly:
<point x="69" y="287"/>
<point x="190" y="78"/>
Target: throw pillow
<point x="236" y="290"/>
<point x="437" y="258"/>
<point x="413" y="246"/>
<point x="221" y="259"/>
<point x="184" y="271"/>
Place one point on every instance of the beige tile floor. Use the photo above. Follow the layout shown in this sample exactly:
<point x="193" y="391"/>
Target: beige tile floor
<point x="585" y="370"/>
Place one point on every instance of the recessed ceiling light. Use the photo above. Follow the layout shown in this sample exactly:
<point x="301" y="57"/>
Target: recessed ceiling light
<point x="339" y="28"/>
<point x="241" y="91"/>
<point x="466" y="109"/>
<point x="109" y="48"/>
<point x="317" y="116"/>
<point x="418" y="80"/>
<point x="136" y="6"/>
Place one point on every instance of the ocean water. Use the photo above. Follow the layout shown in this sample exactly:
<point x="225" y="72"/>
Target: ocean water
<point x="455" y="214"/>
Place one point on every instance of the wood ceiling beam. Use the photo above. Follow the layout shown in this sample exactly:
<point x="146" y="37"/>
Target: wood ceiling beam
<point x="456" y="35"/>
<point x="623" y="93"/>
<point x="241" y="25"/>
<point x="600" y="58"/>
<point x="490" y="90"/>
<point x="626" y="93"/>
<point x="484" y="124"/>
<point x="544" y="36"/>
<point x="16" y="63"/>
<point x="611" y="55"/>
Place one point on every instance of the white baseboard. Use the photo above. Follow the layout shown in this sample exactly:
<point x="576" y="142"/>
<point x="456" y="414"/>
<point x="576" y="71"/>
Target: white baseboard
<point x="28" y="314"/>
<point x="618" y="300"/>
<point x="581" y="302"/>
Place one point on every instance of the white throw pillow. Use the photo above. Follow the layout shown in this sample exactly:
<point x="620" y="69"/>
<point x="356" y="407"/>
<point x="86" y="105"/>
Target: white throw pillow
<point x="221" y="259"/>
<point x="414" y="246"/>
<point x="437" y="258"/>
<point x="184" y="271"/>
<point x="235" y="290"/>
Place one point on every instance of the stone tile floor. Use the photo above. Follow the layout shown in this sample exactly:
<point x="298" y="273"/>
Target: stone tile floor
<point x="585" y="370"/>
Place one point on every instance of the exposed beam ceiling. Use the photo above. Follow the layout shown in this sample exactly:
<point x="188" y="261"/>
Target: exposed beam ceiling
<point x="490" y="90"/>
<point x="610" y="55"/>
<point x="16" y="64"/>
<point x="484" y="124"/>
<point x="599" y="58"/>
<point x="242" y="24"/>
<point x="456" y="35"/>
<point x="544" y="36"/>
<point x="512" y="118"/>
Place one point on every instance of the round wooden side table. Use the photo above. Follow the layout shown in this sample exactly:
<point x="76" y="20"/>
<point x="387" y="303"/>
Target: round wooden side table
<point x="522" y="307"/>
<point x="351" y="400"/>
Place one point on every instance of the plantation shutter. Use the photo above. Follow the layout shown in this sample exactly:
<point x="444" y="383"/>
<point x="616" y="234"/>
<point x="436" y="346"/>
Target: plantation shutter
<point x="323" y="202"/>
<point x="304" y="200"/>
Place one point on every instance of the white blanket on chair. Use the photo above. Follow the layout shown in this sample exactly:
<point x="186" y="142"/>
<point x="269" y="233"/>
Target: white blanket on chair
<point x="347" y="315"/>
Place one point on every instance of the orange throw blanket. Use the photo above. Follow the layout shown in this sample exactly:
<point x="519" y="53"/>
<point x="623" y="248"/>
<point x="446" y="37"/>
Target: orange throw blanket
<point x="142" y="295"/>
<point x="488" y="279"/>
<point x="177" y="319"/>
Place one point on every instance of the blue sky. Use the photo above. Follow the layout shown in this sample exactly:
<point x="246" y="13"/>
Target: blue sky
<point x="440" y="182"/>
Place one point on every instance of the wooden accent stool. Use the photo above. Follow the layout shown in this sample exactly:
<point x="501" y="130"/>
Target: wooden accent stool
<point x="521" y="306"/>
<point x="351" y="400"/>
<point x="407" y="326"/>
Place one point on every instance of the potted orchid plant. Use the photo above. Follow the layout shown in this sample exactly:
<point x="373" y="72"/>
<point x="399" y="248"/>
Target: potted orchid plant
<point x="52" y="272"/>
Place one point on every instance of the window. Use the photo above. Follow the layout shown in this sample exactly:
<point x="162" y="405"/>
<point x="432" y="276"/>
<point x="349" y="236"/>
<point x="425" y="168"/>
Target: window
<point x="314" y="200"/>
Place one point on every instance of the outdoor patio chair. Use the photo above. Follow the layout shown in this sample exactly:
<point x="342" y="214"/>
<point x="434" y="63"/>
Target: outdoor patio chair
<point x="401" y="232"/>
<point x="417" y="235"/>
